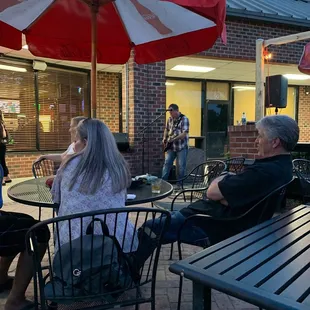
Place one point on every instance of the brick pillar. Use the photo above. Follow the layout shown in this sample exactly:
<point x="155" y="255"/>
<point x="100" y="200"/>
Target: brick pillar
<point x="108" y="99"/>
<point x="242" y="141"/>
<point x="147" y="99"/>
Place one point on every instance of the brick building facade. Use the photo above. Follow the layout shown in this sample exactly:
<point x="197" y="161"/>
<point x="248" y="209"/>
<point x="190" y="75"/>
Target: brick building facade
<point x="147" y="94"/>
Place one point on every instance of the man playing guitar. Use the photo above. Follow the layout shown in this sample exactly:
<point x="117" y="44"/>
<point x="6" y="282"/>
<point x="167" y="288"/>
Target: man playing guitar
<point x="175" y="142"/>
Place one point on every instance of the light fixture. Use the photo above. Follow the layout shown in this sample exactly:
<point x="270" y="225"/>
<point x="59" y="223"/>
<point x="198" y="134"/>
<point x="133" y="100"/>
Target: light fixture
<point x="169" y="84"/>
<point x="25" y="47"/>
<point x="244" y="87"/>
<point x="299" y="77"/>
<point x="39" y="65"/>
<point x="12" y="68"/>
<point x="267" y="55"/>
<point x="192" y="68"/>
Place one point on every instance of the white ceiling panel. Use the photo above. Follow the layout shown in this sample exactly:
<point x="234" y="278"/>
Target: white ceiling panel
<point x="229" y="70"/>
<point x="182" y="74"/>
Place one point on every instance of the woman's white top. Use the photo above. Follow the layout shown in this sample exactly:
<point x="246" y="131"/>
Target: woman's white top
<point x="70" y="149"/>
<point x="73" y="201"/>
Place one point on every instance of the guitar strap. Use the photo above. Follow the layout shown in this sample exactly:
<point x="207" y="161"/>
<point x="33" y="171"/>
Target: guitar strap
<point x="176" y="124"/>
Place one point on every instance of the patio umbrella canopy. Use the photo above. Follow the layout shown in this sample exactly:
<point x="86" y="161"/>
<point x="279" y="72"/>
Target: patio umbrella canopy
<point x="304" y="63"/>
<point x="106" y="31"/>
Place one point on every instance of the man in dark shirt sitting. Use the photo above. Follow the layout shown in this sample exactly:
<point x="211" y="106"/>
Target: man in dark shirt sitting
<point x="231" y="195"/>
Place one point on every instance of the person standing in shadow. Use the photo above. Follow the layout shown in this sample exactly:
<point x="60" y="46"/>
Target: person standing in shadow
<point x="4" y="139"/>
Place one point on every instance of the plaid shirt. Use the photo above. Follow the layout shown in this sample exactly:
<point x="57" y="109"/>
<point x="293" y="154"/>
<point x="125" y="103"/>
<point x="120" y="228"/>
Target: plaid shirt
<point x="174" y="130"/>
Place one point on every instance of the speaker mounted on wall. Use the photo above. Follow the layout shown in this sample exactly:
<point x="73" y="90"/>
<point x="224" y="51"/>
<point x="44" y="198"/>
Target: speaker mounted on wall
<point x="276" y="91"/>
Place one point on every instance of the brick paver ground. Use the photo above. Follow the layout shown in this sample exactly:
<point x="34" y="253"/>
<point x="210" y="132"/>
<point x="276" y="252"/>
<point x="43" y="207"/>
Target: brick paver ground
<point x="167" y="283"/>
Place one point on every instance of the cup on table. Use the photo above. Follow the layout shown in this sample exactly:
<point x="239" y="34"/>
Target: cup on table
<point x="156" y="185"/>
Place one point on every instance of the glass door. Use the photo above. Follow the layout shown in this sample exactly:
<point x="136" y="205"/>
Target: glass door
<point x="217" y="122"/>
<point x="217" y="118"/>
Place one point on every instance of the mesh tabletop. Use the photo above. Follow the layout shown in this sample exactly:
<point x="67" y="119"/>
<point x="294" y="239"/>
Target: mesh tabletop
<point x="32" y="192"/>
<point x="35" y="193"/>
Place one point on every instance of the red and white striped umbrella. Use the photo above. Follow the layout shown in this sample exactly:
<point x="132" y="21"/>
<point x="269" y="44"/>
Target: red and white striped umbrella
<point x="106" y="31"/>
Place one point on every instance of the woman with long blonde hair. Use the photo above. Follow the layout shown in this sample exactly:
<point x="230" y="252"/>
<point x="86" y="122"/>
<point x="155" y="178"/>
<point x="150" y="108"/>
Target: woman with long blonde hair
<point x="58" y="158"/>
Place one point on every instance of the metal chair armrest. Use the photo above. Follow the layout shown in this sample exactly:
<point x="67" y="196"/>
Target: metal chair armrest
<point x="191" y="190"/>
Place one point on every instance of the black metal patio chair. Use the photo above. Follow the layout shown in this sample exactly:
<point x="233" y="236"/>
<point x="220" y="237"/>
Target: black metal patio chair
<point x="219" y="229"/>
<point x="201" y="177"/>
<point x="93" y="271"/>
<point x="235" y="164"/>
<point x="302" y="170"/>
<point x="195" y="157"/>
<point x="44" y="168"/>
<point x="199" y="180"/>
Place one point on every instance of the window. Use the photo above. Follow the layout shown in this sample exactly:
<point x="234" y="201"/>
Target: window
<point x="187" y="95"/>
<point x="290" y="109"/>
<point x="62" y="95"/>
<point x="244" y="101"/>
<point x="217" y="91"/>
<point x="17" y="102"/>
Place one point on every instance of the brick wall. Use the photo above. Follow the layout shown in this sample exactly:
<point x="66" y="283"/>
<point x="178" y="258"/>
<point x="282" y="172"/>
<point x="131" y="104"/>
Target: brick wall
<point x="108" y="99"/>
<point x="242" y="141"/>
<point x="150" y="102"/>
<point x="147" y="99"/>
<point x="241" y="42"/>
<point x="20" y="164"/>
<point x="304" y="115"/>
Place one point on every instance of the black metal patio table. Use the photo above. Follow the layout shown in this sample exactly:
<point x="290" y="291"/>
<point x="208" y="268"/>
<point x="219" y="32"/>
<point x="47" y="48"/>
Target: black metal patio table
<point x="34" y="192"/>
<point x="267" y="265"/>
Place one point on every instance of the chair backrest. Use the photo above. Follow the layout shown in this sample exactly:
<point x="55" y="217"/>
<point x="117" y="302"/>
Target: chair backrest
<point x="265" y="208"/>
<point x="195" y="157"/>
<point x="302" y="170"/>
<point x="99" y="266"/>
<point x="235" y="164"/>
<point x="220" y="230"/>
<point x="44" y="168"/>
<point x="202" y="176"/>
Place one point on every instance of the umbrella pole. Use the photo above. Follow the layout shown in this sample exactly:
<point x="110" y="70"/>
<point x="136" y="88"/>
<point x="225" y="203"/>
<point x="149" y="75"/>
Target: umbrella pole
<point x="93" y="94"/>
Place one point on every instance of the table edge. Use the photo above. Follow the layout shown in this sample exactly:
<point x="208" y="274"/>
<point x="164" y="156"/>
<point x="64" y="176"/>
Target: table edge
<point x="53" y="205"/>
<point x="255" y="296"/>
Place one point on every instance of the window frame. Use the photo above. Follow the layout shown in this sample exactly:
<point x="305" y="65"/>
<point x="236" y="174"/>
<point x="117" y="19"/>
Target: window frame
<point x="18" y="61"/>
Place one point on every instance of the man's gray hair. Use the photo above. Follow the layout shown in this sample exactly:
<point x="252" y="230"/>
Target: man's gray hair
<point x="280" y="126"/>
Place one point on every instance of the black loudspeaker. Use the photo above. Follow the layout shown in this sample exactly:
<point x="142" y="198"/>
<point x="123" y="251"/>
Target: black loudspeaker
<point x="173" y="174"/>
<point x="121" y="141"/>
<point x="276" y="91"/>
